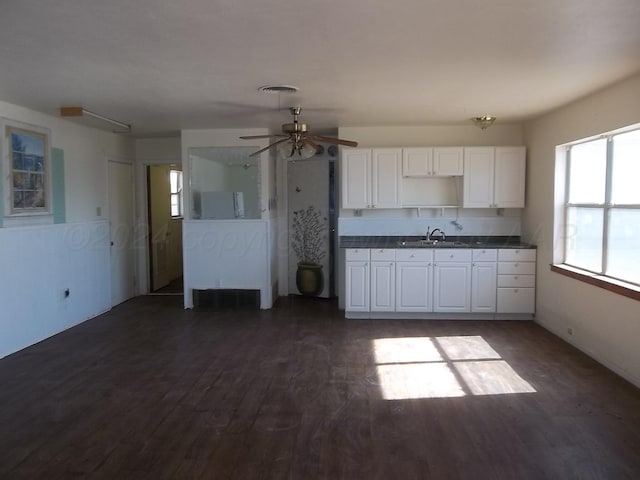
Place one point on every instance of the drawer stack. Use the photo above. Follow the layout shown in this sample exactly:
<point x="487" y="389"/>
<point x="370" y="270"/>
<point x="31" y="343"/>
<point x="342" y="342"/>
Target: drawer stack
<point x="516" y="280"/>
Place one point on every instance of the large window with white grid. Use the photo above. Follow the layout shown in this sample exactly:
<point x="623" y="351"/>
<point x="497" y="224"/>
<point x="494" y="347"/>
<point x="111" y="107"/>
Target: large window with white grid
<point x="602" y="206"/>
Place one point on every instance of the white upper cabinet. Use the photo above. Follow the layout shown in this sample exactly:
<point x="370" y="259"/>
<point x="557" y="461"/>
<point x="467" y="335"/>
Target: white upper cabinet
<point x="371" y="178"/>
<point x="432" y="161"/>
<point x="356" y="178"/>
<point x="510" y="172"/>
<point x="494" y="177"/>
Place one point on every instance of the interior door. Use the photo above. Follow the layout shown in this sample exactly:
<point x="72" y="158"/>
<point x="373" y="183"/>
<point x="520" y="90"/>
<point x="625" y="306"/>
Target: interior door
<point x="121" y="231"/>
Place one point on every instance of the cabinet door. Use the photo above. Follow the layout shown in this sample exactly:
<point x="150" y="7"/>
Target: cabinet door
<point x="478" y="177"/>
<point x="452" y="287"/>
<point x="510" y="171"/>
<point x="383" y="286"/>
<point x="356" y="178"/>
<point x="357" y="286"/>
<point x="484" y="277"/>
<point x="516" y="300"/>
<point x="417" y="162"/>
<point x="447" y="161"/>
<point x="413" y="286"/>
<point x="386" y="169"/>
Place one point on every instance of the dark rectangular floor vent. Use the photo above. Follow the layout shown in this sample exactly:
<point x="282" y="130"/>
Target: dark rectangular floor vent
<point x="220" y="299"/>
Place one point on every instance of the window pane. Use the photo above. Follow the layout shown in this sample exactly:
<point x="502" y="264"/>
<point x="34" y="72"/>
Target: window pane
<point x="584" y="238"/>
<point x="587" y="172"/>
<point x="173" y="181"/>
<point x="624" y="245"/>
<point x="626" y="168"/>
<point x="175" y="206"/>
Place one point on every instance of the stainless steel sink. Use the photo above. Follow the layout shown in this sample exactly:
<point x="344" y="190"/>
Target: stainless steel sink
<point x="431" y="243"/>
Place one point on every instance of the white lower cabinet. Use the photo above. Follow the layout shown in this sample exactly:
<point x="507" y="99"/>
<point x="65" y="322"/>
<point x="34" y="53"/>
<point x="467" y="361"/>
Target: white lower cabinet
<point x="516" y="281"/>
<point x="452" y="280"/>
<point x="484" y="278"/>
<point x="383" y="280"/>
<point x="414" y="280"/>
<point x="424" y="280"/>
<point x="357" y="281"/>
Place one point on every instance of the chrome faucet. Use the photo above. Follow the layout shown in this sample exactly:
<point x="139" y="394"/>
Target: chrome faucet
<point x="442" y="236"/>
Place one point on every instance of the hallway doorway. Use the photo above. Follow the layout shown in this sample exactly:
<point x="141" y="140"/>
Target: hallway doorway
<point x="164" y="191"/>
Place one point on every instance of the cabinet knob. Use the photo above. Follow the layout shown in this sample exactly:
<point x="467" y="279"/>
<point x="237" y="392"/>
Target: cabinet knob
<point x="516" y="265"/>
<point x="515" y="277"/>
<point x="391" y="264"/>
<point x="412" y="255"/>
<point x="451" y="256"/>
<point x="381" y="250"/>
<point x="515" y="290"/>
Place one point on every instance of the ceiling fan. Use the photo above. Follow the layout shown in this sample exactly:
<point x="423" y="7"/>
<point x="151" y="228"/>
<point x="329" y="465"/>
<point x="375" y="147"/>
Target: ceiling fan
<point x="296" y="141"/>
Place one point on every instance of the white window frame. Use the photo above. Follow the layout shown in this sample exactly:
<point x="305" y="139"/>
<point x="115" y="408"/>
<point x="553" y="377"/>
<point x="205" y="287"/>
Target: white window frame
<point x="599" y="278"/>
<point x="178" y="195"/>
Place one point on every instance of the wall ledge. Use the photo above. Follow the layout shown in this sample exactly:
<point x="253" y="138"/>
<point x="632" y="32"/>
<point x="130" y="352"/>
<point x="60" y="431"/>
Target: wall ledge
<point x="612" y="285"/>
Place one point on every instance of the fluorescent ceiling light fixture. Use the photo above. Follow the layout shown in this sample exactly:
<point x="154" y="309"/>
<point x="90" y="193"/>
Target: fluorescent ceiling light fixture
<point x="80" y="111"/>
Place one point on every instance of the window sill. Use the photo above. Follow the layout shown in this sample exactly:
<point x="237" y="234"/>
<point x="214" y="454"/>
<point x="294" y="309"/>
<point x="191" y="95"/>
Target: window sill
<point x="610" y="284"/>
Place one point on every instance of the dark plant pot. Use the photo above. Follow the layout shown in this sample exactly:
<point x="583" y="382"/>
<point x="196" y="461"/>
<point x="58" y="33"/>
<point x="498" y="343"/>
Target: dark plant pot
<point x="309" y="279"/>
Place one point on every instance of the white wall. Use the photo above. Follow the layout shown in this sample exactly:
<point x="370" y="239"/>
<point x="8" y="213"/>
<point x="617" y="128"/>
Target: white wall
<point x="40" y="262"/>
<point x="255" y="265"/>
<point x="605" y="325"/>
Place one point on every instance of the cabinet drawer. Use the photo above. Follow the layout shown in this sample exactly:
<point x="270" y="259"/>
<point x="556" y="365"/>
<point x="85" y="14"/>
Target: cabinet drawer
<point x="516" y="300"/>
<point x="357" y="254"/>
<point x="516" y="268"/>
<point x="414" y="255"/>
<point x="453" y="255"/>
<point x="383" y="254"/>
<point x="516" y="281"/>
<point x="517" y="255"/>
<point x="484" y="255"/>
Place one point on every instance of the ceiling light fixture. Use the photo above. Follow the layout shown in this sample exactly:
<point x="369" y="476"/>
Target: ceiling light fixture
<point x="483" y="122"/>
<point x="79" y="111"/>
<point x="294" y="149"/>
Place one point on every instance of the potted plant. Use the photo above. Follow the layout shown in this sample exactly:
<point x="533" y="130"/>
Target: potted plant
<point x="308" y="243"/>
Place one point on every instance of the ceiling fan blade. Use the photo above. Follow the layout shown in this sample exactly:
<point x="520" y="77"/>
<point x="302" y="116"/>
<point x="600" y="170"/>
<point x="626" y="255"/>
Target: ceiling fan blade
<point x="336" y="141"/>
<point x="249" y="137"/>
<point x="269" y="146"/>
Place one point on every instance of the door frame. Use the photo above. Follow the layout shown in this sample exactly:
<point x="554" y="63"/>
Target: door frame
<point x="142" y="231"/>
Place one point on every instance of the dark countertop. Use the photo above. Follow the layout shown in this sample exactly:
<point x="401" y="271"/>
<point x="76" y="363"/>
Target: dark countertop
<point x="460" y="242"/>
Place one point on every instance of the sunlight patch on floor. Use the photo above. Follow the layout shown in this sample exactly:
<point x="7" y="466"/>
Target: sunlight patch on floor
<point x="438" y="367"/>
<point x="418" y="380"/>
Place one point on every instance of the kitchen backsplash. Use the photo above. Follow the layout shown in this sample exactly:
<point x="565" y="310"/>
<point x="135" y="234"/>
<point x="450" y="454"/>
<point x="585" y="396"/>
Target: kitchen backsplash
<point x="461" y="226"/>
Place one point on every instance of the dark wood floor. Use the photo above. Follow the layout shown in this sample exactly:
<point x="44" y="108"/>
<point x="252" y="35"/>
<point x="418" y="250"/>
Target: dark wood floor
<point x="151" y="391"/>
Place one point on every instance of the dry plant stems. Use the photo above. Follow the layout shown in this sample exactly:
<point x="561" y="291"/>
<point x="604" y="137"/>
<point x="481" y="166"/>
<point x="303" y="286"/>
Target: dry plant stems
<point x="308" y="236"/>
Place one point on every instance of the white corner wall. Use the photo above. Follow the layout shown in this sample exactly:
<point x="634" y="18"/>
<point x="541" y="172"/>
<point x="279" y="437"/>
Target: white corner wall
<point x="605" y="325"/>
<point x="238" y="254"/>
<point x="40" y="262"/>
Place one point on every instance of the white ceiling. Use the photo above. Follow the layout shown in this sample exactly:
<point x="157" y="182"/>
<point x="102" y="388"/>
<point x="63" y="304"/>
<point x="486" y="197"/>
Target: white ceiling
<point x="165" y="66"/>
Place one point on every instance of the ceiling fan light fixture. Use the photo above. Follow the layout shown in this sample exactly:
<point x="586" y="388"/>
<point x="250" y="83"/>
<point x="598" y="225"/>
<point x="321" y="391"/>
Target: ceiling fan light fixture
<point x="279" y="89"/>
<point x="484" y="121"/>
<point x="290" y="151"/>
